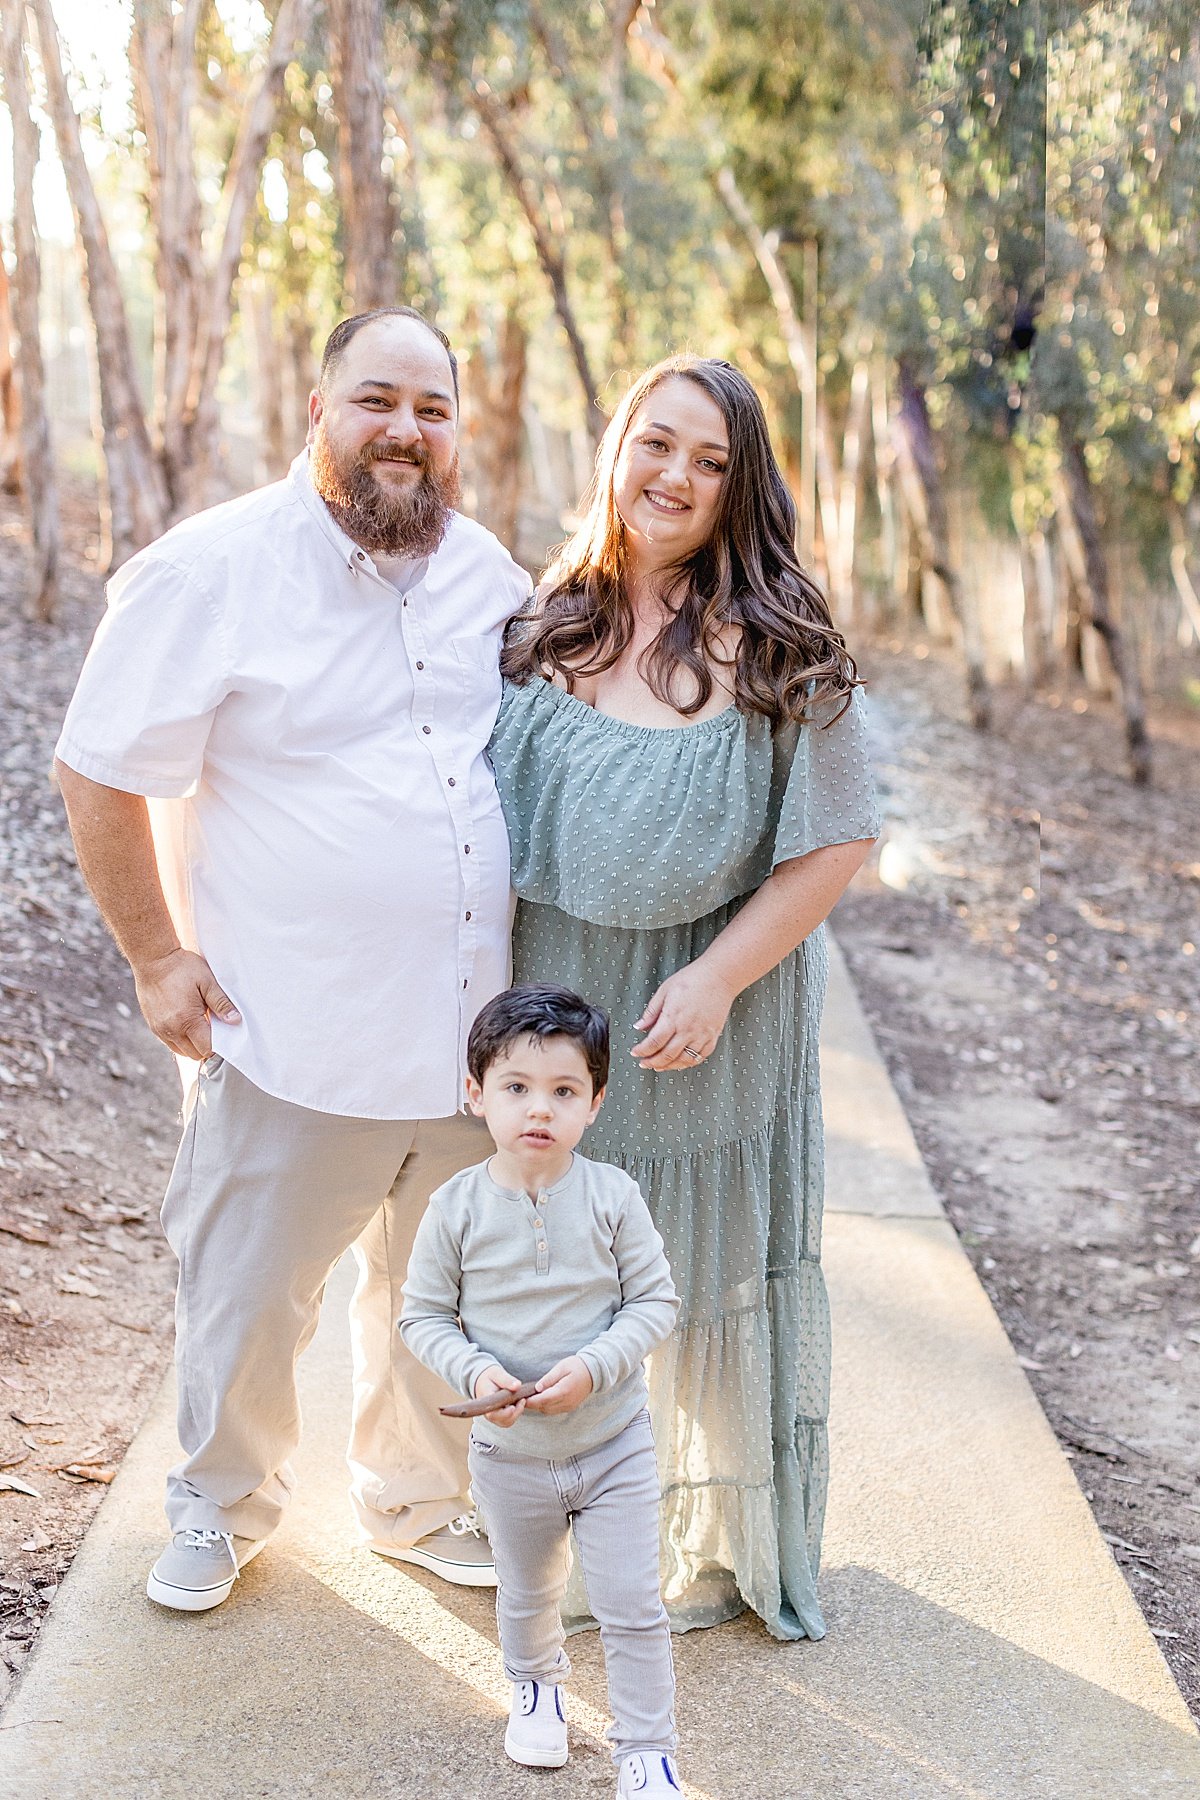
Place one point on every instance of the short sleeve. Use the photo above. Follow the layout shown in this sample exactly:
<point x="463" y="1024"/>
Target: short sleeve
<point x="157" y="670"/>
<point x="830" y="796"/>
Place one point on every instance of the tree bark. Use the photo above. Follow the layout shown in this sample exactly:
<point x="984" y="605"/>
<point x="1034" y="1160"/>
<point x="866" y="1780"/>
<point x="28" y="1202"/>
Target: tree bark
<point x="163" y="59"/>
<point x="925" y="495"/>
<point x="604" y="153"/>
<point x="1083" y="543"/>
<point x="857" y="419"/>
<point x="10" y="397"/>
<point x="894" y="565"/>
<point x="792" y="331"/>
<point x="37" y="454"/>
<point x="360" y="98"/>
<point x="137" y="494"/>
<point x="495" y="431"/>
<point x="241" y="182"/>
<point x="1189" y="601"/>
<point x="273" y="455"/>
<point x="549" y="256"/>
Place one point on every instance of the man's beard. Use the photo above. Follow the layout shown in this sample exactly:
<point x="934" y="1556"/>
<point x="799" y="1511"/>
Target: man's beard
<point x="407" y="521"/>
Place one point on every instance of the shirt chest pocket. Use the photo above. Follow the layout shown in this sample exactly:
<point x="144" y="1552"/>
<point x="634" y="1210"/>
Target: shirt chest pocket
<point x="474" y="667"/>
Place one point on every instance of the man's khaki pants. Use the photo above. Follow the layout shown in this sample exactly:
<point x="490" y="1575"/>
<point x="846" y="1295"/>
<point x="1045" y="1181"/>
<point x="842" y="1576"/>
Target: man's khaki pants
<point x="264" y="1199"/>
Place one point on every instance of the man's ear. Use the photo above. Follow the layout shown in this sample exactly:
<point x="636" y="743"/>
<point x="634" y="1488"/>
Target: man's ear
<point x="475" y="1096"/>
<point x="316" y="407"/>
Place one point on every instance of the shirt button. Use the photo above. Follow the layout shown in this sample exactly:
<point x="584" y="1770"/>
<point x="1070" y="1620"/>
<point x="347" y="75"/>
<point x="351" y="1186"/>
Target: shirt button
<point x="427" y="729"/>
<point x="467" y="915"/>
<point x="466" y="984"/>
<point x="450" y="781"/>
<point x="420" y="665"/>
<point x="466" y="849"/>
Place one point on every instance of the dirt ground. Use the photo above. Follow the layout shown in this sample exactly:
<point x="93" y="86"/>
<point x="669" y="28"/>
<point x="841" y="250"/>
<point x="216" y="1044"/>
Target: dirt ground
<point x="87" y="1129"/>
<point x="1023" y="942"/>
<point x="1026" y="942"/>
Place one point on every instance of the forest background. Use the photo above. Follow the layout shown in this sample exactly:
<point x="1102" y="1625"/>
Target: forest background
<point x="954" y="245"/>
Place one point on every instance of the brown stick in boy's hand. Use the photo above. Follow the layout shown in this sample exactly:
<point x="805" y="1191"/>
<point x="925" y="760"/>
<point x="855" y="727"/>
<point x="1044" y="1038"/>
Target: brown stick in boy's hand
<point x="486" y="1403"/>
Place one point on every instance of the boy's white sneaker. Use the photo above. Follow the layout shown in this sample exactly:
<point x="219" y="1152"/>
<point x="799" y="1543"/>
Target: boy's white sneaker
<point x="648" y="1773"/>
<point x="537" y="1725"/>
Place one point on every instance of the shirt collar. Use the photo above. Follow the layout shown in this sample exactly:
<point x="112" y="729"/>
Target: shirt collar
<point x="563" y="1182"/>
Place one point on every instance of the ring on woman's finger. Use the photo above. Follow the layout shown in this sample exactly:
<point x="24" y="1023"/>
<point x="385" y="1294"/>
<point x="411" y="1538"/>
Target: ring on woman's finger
<point x="694" y="1054"/>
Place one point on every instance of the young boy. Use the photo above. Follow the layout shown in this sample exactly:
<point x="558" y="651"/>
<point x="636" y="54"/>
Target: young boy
<point x="540" y="1266"/>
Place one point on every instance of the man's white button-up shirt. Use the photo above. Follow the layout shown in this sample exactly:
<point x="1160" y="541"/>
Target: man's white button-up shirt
<point x="312" y="739"/>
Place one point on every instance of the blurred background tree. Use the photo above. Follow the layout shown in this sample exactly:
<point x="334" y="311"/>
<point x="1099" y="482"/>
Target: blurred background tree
<point x="955" y="246"/>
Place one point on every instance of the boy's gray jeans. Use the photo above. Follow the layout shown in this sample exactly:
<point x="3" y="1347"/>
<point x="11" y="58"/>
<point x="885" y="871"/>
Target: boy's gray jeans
<point x="609" y="1497"/>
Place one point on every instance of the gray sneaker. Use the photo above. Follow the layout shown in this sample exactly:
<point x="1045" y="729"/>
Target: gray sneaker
<point x="458" y="1552"/>
<point x="197" y="1569"/>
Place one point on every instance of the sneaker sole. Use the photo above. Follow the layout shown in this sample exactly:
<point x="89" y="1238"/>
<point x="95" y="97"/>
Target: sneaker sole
<point x="459" y="1574"/>
<point x="181" y="1599"/>
<point x="532" y="1758"/>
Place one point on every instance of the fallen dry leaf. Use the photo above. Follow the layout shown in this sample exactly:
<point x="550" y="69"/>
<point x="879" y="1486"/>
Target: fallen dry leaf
<point x="68" y="1283"/>
<point x="37" y="1540"/>
<point x="88" y="1472"/>
<point x="29" y="1234"/>
<point x="12" y="1484"/>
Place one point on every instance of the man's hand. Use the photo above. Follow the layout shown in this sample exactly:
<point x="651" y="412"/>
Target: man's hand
<point x="563" y="1388"/>
<point x="495" y="1380"/>
<point x="177" y="993"/>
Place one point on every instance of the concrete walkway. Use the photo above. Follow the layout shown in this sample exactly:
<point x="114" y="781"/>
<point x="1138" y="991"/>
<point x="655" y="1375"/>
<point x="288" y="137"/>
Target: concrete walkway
<point x="982" y="1642"/>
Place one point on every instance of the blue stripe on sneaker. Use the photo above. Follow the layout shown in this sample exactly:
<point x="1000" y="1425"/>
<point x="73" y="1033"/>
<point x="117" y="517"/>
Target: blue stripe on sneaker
<point x="558" y="1705"/>
<point x="669" y="1773"/>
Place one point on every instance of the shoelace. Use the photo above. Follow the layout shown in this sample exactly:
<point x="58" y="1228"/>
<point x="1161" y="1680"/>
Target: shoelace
<point x="205" y="1540"/>
<point x="466" y="1523"/>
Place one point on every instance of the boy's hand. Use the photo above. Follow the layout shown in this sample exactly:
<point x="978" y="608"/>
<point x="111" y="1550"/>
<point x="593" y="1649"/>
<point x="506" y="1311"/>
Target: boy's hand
<point x="563" y="1388"/>
<point x="496" y="1380"/>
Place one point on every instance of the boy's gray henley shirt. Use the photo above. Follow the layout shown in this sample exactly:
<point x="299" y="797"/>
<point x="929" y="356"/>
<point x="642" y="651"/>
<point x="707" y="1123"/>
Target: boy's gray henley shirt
<point x="496" y="1278"/>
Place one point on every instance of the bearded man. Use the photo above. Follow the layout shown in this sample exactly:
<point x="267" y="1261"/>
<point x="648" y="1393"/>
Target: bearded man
<point x="275" y="776"/>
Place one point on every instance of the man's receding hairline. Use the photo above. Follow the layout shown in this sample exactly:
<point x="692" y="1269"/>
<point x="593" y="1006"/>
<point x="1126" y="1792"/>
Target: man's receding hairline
<point x="346" y="330"/>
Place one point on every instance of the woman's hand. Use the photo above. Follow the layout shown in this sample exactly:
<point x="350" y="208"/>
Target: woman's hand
<point x="688" y="1012"/>
<point x="497" y="1380"/>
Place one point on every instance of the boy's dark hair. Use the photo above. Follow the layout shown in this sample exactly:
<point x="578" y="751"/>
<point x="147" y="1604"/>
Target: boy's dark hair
<point x="540" y="1012"/>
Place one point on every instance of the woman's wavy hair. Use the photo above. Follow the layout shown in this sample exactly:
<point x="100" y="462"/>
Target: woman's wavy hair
<point x="790" y="657"/>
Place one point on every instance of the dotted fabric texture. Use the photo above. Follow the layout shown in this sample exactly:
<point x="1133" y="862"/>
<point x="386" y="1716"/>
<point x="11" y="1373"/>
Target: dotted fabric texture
<point x="632" y="847"/>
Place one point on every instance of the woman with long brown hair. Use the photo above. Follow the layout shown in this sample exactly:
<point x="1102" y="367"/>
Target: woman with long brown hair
<point x="680" y="754"/>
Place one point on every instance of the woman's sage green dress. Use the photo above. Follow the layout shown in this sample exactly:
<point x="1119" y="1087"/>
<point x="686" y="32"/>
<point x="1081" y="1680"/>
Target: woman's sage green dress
<point x="632" y="846"/>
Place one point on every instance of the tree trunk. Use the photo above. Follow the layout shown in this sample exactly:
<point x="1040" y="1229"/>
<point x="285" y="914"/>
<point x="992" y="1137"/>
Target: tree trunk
<point x="792" y="331"/>
<point x="360" y="97"/>
<point x="894" y="565"/>
<point x="37" y="455"/>
<point x="273" y="456"/>
<point x="495" y="429"/>
<point x="10" y="398"/>
<point x="137" y="494"/>
<point x="604" y="152"/>
<point x="1083" y="543"/>
<point x="925" y="494"/>
<point x="163" y="60"/>
<point x="857" y="419"/>
<point x="548" y="254"/>
<point x="201" y="418"/>
<point x="1189" y="601"/>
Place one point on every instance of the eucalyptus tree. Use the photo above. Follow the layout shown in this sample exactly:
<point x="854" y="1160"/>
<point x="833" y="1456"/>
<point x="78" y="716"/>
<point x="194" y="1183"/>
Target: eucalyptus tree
<point x="39" y="481"/>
